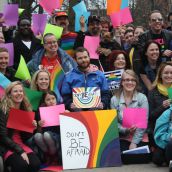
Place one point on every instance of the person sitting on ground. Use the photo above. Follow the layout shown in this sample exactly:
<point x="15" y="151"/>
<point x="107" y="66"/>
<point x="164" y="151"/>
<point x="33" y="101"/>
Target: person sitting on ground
<point x="85" y="75"/>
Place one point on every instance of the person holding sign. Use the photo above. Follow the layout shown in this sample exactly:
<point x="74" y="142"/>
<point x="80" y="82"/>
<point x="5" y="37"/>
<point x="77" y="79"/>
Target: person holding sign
<point x="8" y="72"/>
<point x="25" y="43"/>
<point x="158" y="103"/>
<point x="18" y="156"/>
<point x="48" y="138"/>
<point x="128" y="97"/>
<point x="85" y="75"/>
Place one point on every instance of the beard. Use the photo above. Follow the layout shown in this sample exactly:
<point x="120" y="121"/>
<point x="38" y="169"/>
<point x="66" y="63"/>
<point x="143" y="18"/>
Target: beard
<point x="84" y="65"/>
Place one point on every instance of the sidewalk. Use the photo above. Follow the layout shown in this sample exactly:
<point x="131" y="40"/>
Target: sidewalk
<point x="127" y="168"/>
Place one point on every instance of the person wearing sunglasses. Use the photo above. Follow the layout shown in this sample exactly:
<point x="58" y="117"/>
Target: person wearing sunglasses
<point x="158" y="34"/>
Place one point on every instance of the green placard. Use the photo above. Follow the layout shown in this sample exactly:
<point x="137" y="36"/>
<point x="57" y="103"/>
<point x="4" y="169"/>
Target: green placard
<point x="34" y="97"/>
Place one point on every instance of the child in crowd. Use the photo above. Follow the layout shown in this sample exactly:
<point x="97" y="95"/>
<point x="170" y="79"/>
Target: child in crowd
<point x="48" y="139"/>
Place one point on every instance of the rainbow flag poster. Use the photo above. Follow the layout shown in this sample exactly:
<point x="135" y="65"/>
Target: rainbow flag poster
<point x="90" y="139"/>
<point x="57" y="77"/>
<point x="113" y="78"/>
<point x="86" y="97"/>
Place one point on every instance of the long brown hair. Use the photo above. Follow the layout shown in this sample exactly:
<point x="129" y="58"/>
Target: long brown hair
<point x="158" y="78"/>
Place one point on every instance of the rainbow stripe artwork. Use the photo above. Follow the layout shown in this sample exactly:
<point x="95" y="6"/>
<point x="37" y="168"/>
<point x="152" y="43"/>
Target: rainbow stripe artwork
<point x="90" y="139"/>
<point x="57" y="77"/>
<point x="113" y="78"/>
<point x="86" y="97"/>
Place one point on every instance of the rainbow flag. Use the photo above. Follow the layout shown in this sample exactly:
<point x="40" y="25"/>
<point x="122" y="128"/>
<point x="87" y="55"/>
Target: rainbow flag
<point x="57" y="77"/>
<point x="113" y="78"/>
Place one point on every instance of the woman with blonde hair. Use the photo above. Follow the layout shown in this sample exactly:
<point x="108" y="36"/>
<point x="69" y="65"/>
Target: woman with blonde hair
<point x="158" y="103"/>
<point x="128" y="96"/>
<point x="40" y="80"/>
<point x="18" y="156"/>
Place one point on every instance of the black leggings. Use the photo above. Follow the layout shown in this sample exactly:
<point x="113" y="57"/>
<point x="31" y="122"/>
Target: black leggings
<point x="163" y="155"/>
<point x="16" y="163"/>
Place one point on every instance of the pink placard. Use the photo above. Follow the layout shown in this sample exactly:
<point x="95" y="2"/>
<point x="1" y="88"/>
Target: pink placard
<point x="50" y="114"/>
<point x="21" y="120"/>
<point x="135" y="116"/>
<point x="91" y="43"/>
<point x="121" y="17"/>
<point x="50" y="5"/>
<point x="53" y="168"/>
<point x="2" y="92"/>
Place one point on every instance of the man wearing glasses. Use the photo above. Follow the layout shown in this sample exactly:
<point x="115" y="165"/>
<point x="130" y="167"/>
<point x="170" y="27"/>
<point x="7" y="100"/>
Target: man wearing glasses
<point x="49" y="56"/>
<point x="158" y="34"/>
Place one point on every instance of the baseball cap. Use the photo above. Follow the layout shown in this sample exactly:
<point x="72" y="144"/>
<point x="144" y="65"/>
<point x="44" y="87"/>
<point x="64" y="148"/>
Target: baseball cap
<point x="93" y="18"/>
<point x="61" y="14"/>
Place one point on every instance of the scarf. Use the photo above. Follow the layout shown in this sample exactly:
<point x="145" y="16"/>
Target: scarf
<point x="162" y="89"/>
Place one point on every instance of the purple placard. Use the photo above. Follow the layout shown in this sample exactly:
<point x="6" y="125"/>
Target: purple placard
<point x="10" y="48"/>
<point x="11" y="15"/>
<point x="39" y="22"/>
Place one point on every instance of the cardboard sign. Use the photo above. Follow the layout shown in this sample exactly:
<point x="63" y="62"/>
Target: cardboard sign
<point x="90" y="139"/>
<point x="88" y="97"/>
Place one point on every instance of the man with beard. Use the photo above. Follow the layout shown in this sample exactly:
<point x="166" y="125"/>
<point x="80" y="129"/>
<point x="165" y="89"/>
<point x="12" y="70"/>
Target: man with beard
<point x="94" y="29"/>
<point x="68" y="38"/>
<point x="84" y="75"/>
<point x="25" y="43"/>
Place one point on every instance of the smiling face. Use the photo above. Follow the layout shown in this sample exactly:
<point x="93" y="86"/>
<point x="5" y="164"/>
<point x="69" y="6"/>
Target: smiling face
<point x="50" y="100"/>
<point x="17" y="94"/>
<point x="94" y="28"/>
<point x="166" y="75"/>
<point x="153" y="52"/>
<point x="62" y="21"/>
<point x="4" y="60"/>
<point x="156" y="22"/>
<point x="43" y="81"/>
<point x="83" y="60"/>
<point x="128" y="82"/>
<point x="120" y="62"/>
<point x="50" y="44"/>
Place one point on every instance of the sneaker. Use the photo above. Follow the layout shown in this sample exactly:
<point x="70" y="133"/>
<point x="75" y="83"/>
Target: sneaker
<point x="170" y="166"/>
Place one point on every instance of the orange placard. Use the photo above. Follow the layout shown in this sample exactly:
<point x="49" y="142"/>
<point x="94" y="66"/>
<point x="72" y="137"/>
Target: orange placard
<point x="113" y="6"/>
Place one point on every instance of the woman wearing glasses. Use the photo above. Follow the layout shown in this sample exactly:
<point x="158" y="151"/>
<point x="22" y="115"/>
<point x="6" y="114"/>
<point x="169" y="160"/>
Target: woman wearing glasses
<point x="128" y="96"/>
<point x="158" y="103"/>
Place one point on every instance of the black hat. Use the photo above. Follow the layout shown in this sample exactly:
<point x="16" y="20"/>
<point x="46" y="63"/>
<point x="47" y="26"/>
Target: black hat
<point x="93" y="18"/>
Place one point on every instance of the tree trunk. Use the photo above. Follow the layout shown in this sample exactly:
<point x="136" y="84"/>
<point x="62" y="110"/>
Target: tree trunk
<point x="72" y="14"/>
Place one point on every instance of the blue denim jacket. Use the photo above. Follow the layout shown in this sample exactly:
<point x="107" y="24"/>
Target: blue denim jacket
<point x="139" y="101"/>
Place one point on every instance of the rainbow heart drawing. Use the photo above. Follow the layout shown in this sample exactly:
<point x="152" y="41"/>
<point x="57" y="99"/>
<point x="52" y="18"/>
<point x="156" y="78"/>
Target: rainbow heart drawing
<point x="86" y="97"/>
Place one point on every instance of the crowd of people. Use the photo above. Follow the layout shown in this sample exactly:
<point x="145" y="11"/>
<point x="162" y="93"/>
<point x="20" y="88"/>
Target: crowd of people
<point x="143" y="53"/>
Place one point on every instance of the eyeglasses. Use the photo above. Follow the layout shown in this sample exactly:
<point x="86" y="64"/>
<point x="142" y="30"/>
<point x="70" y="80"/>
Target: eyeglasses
<point x="51" y="43"/>
<point x="129" y="80"/>
<point x="157" y="20"/>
